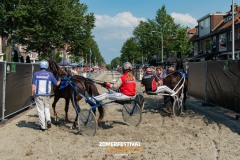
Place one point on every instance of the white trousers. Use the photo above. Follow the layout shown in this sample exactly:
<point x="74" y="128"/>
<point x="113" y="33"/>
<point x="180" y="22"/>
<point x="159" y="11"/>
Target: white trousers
<point x="164" y="88"/>
<point x="113" y="96"/>
<point x="43" y="111"/>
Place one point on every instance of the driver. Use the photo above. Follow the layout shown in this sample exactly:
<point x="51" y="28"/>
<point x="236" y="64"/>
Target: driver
<point x="126" y="85"/>
<point x="150" y="80"/>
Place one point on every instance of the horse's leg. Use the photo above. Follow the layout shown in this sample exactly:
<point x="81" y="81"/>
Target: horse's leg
<point x="66" y="109"/>
<point x="101" y="113"/>
<point x="54" y="107"/>
<point x="77" y="109"/>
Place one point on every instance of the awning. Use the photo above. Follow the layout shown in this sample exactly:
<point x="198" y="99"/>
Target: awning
<point x="64" y="63"/>
<point x="201" y="56"/>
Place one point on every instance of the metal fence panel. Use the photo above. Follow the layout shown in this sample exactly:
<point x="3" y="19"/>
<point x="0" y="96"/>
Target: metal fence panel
<point x="18" y="87"/>
<point x="224" y="84"/>
<point x="1" y="87"/>
<point x="196" y="80"/>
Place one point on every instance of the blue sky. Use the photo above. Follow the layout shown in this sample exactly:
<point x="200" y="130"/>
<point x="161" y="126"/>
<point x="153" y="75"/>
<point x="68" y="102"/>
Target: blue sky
<point x="116" y="19"/>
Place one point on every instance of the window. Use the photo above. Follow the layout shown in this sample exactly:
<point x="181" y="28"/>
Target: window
<point x="222" y="42"/>
<point x="213" y="42"/>
<point x="207" y="45"/>
<point x="195" y="48"/>
<point x="238" y="33"/>
<point x="205" y="23"/>
<point x="230" y="36"/>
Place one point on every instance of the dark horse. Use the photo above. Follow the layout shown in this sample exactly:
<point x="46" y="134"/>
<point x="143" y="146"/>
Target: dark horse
<point x="66" y="93"/>
<point x="175" y="77"/>
<point x="171" y="80"/>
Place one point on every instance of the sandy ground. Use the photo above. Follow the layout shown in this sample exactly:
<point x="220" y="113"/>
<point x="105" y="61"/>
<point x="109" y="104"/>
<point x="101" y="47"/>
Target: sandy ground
<point x="207" y="133"/>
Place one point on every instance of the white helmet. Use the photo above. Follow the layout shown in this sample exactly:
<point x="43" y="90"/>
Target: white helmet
<point x="44" y="64"/>
<point x="127" y="66"/>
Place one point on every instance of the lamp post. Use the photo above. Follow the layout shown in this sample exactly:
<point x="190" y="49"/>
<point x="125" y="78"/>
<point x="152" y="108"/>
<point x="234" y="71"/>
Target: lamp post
<point x="233" y="47"/>
<point x="161" y="42"/>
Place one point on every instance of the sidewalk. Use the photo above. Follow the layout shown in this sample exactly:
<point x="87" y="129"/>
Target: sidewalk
<point x="215" y="113"/>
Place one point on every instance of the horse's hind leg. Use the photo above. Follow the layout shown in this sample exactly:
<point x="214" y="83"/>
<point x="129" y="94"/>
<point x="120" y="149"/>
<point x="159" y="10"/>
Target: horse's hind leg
<point x="77" y="109"/>
<point x="54" y="108"/>
<point x="67" y="100"/>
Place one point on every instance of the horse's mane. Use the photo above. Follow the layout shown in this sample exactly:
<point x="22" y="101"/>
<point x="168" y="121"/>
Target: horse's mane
<point x="55" y="68"/>
<point x="85" y="83"/>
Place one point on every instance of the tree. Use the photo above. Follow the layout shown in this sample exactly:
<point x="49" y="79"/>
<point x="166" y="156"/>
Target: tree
<point x="44" y="25"/>
<point x="148" y="35"/>
<point x="131" y="51"/>
<point x="115" y="62"/>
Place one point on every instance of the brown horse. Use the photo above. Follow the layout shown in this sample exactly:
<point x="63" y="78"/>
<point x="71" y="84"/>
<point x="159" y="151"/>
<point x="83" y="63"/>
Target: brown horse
<point x="171" y="80"/>
<point x="67" y="93"/>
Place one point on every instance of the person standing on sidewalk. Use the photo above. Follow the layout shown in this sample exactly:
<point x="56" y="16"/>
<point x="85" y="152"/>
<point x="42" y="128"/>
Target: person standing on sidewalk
<point x="41" y="90"/>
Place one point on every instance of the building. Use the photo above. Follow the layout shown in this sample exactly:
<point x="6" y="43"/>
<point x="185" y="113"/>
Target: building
<point x="212" y="39"/>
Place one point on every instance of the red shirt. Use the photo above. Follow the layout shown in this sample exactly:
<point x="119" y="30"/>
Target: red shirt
<point x="128" y="87"/>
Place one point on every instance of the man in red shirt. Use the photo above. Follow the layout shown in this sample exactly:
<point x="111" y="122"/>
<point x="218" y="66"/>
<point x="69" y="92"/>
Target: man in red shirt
<point x="126" y="84"/>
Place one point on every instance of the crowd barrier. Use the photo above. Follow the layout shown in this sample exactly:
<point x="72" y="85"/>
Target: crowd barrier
<point x="216" y="82"/>
<point x="15" y="87"/>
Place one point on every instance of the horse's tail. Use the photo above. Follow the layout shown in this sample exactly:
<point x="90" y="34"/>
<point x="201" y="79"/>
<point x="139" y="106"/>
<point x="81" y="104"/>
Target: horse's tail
<point x="94" y="91"/>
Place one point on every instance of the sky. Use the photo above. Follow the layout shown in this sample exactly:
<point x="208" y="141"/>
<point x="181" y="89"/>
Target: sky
<point x="116" y="19"/>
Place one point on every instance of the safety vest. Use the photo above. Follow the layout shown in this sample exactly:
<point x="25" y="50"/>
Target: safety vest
<point x="128" y="87"/>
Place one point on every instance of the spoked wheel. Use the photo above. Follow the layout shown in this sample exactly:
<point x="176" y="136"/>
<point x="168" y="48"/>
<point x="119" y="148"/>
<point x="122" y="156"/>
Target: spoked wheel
<point x="132" y="114"/>
<point x="140" y="100"/>
<point x="87" y="122"/>
<point x="177" y="107"/>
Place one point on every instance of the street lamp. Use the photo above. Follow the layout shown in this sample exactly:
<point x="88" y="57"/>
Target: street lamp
<point x="161" y="41"/>
<point x="233" y="47"/>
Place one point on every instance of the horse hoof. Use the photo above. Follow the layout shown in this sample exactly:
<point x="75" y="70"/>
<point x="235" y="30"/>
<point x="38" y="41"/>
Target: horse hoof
<point x="56" y="119"/>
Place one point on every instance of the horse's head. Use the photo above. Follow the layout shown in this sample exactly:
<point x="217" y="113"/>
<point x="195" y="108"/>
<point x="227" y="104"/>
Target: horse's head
<point x="57" y="71"/>
<point x="172" y="79"/>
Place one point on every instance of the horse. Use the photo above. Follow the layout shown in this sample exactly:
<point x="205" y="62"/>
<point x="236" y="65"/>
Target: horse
<point x="66" y="93"/>
<point x="171" y="80"/>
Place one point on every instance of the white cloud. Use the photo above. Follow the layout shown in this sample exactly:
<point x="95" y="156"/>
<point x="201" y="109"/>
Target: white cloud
<point x="112" y="31"/>
<point x="184" y="19"/>
<point x="121" y="20"/>
<point x="117" y="27"/>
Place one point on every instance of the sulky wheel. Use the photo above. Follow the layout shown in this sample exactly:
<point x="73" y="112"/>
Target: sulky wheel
<point x="132" y="114"/>
<point x="87" y="122"/>
<point x="177" y="107"/>
<point x="140" y="100"/>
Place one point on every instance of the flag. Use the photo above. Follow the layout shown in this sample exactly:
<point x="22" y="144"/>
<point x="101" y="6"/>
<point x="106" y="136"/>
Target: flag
<point x="90" y="52"/>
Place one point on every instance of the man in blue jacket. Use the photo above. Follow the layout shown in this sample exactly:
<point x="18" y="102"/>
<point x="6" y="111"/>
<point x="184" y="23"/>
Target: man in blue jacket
<point x="41" y="90"/>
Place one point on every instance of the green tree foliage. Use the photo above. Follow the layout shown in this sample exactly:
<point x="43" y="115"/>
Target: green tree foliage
<point x="115" y="62"/>
<point x="148" y="35"/>
<point x="45" y="25"/>
<point x="131" y="52"/>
